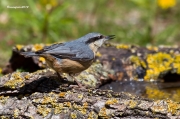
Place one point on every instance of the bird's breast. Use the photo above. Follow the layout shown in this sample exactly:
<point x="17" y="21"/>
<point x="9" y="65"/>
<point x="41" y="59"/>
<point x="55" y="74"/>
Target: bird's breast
<point x="70" y="66"/>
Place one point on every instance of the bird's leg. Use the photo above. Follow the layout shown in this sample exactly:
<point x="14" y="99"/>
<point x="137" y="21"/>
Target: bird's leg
<point x="79" y="84"/>
<point x="59" y="76"/>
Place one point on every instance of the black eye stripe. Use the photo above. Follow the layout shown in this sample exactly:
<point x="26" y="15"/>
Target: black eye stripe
<point x="94" y="39"/>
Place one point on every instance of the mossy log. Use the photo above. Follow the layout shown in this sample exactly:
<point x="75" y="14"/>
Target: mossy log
<point x="42" y="94"/>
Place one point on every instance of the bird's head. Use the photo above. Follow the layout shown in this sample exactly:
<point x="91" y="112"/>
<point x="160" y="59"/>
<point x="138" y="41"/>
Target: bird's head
<point x="96" y="40"/>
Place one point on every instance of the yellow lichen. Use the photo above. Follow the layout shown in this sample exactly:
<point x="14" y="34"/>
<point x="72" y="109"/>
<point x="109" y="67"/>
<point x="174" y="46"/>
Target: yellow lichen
<point x="27" y="76"/>
<point x="58" y="108"/>
<point x="137" y="61"/>
<point x="159" y="106"/>
<point x="37" y="47"/>
<point x="113" y="59"/>
<point x="16" y="80"/>
<point x="67" y="104"/>
<point x="98" y="54"/>
<point x="92" y="115"/>
<point x="80" y="108"/>
<point x="154" y="48"/>
<point x="154" y="93"/>
<point x="80" y="96"/>
<point x="41" y="59"/>
<point x="73" y="116"/>
<point x="103" y="113"/>
<point x="3" y="99"/>
<point x="19" y="46"/>
<point x="122" y="46"/>
<point x="4" y="117"/>
<point x="16" y="113"/>
<point x="111" y="101"/>
<point x="173" y="107"/>
<point x="43" y="110"/>
<point x="0" y="70"/>
<point x="48" y="100"/>
<point x="157" y="64"/>
<point x="176" y="63"/>
<point x="85" y="105"/>
<point x="133" y="103"/>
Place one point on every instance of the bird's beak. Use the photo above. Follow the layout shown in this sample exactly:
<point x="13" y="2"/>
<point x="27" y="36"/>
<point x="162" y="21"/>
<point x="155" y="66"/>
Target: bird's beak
<point x="109" y="37"/>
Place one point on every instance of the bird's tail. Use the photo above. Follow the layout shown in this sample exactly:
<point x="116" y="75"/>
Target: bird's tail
<point x="29" y="54"/>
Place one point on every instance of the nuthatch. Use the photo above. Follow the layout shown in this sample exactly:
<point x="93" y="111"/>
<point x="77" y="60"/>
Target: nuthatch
<point x="72" y="57"/>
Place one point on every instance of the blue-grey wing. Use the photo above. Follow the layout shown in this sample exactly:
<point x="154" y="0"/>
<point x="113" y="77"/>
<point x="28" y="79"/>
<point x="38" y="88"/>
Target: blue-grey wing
<point x="77" y="52"/>
<point x="51" y="47"/>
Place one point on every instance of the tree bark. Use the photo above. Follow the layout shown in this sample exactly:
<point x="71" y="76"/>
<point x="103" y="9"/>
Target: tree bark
<point x="42" y="94"/>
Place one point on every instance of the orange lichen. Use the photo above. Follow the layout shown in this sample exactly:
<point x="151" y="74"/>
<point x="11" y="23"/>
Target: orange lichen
<point x="111" y="101"/>
<point x="62" y="94"/>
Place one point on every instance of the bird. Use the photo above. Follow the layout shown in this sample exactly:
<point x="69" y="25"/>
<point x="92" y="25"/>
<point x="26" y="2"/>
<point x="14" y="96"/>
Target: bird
<point x="74" y="56"/>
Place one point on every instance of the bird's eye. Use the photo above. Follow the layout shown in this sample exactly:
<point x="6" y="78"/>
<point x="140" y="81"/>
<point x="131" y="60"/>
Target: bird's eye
<point x="100" y="36"/>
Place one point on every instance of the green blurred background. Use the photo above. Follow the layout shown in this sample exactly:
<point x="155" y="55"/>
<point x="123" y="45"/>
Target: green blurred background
<point x="141" y="22"/>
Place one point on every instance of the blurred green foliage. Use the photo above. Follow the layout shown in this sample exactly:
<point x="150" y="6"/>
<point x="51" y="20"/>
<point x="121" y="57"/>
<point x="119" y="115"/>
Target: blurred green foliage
<point x="139" y="22"/>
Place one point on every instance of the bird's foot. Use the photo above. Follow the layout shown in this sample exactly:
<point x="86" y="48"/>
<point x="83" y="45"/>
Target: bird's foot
<point x="79" y="86"/>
